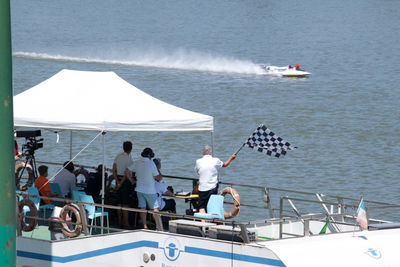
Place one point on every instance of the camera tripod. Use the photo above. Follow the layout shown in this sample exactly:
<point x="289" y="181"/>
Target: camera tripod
<point x="32" y="175"/>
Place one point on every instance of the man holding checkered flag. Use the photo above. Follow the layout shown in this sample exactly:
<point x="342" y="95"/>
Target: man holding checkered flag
<point x="265" y="141"/>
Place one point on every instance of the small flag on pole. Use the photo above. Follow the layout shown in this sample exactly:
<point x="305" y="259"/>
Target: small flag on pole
<point x="362" y="216"/>
<point x="265" y="141"/>
<point x="265" y="192"/>
<point x="325" y="227"/>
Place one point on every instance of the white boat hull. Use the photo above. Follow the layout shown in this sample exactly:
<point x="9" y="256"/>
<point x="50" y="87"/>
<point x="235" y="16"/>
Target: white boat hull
<point x="130" y="249"/>
<point x="285" y="71"/>
<point x="367" y="248"/>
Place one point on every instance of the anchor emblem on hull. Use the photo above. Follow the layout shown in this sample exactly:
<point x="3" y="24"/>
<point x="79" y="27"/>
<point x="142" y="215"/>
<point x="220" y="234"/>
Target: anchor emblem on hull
<point x="172" y="248"/>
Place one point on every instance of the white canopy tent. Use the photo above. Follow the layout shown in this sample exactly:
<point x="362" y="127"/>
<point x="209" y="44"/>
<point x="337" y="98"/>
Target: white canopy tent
<point x="100" y="101"/>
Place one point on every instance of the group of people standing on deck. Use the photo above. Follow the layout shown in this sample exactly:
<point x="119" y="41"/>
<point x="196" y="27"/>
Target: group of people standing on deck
<point x="147" y="178"/>
<point x="145" y="175"/>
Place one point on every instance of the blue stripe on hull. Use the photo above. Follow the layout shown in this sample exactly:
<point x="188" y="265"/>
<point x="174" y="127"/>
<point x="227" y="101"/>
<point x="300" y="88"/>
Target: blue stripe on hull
<point x="85" y="255"/>
<point x="149" y="244"/>
<point x="228" y="255"/>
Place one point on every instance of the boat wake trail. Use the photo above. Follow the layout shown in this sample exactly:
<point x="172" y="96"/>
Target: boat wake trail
<point x="180" y="59"/>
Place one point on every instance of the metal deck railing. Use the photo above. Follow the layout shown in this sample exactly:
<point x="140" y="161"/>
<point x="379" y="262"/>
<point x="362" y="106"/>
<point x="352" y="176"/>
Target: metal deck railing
<point x="293" y="206"/>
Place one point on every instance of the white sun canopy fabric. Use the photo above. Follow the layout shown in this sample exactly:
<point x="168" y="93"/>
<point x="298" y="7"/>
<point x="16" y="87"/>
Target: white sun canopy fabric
<point x="101" y="101"/>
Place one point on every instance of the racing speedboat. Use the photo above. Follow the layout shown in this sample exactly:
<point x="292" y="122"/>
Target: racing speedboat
<point x="287" y="71"/>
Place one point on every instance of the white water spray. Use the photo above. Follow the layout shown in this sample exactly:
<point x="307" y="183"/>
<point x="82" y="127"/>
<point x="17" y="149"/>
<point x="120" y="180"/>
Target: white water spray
<point x="180" y="59"/>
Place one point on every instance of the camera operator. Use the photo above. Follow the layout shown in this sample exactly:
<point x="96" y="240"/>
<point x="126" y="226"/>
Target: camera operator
<point x="31" y="144"/>
<point x="21" y="166"/>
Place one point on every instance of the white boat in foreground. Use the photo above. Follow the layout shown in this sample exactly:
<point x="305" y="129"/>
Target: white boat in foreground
<point x="149" y="248"/>
<point x="287" y="71"/>
<point x="286" y="238"/>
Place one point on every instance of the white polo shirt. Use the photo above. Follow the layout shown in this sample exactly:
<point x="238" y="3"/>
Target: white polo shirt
<point x="207" y="168"/>
<point x="123" y="161"/>
<point x="145" y="170"/>
<point x="160" y="189"/>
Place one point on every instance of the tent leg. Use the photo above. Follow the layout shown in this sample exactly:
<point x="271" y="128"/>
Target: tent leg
<point x="212" y="142"/>
<point x="102" y="186"/>
<point x="70" y="144"/>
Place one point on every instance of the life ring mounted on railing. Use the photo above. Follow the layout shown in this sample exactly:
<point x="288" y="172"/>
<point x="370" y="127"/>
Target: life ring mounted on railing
<point x="236" y="202"/>
<point x="75" y="231"/>
<point x="33" y="212"/>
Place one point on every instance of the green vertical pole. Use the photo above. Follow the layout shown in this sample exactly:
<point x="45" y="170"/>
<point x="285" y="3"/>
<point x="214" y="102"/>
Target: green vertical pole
<point x="7" y="163"/>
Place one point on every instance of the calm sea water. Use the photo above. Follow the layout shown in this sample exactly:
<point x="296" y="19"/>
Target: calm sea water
<point x="203" y="56"/>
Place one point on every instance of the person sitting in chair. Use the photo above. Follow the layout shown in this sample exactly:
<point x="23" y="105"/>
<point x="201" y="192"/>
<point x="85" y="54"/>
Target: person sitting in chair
<point x="66" y="179"/>
<point x="94" y="183"/>
<point x="42" y="184"/>
<point x="164" y="204"/>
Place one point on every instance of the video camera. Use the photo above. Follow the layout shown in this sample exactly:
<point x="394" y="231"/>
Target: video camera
<point x="28" y="134"/>
<point x="32" y="143"/>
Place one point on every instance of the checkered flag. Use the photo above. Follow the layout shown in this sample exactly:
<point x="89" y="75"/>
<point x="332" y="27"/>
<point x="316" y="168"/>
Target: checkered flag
<point x="264" y="140"/>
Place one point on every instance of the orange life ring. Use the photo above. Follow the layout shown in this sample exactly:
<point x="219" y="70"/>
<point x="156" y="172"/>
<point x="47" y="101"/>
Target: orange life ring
<point x="236" y="202"/>
<point x="63" y="216"/>
<point x="33" y="212"/>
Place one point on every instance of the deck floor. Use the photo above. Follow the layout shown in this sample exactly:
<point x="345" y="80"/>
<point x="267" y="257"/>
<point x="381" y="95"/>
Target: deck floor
<point x="42" y="232"/>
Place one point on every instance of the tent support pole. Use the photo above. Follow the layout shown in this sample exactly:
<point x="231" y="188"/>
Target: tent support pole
<point x="102" y="184"/>
<point x="212" y="143"/>
<point x="70" y="144"/>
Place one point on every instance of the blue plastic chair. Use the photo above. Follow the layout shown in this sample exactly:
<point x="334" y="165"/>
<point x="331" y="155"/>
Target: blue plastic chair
<point x="92" y="212"/>
<point x="76" y="195"/>
<point x="77" y="188"/>
<point x="215" y="208"/>
<point x="35" y="200"/>
<point x="33" y="191"/>
<point x="55" y="188"/>
<point x="20" y="197"/>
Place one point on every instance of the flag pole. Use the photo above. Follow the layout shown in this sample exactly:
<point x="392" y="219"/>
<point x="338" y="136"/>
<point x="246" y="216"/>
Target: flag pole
<point x="355" y="217"/>
<point x="240" y="149"/>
